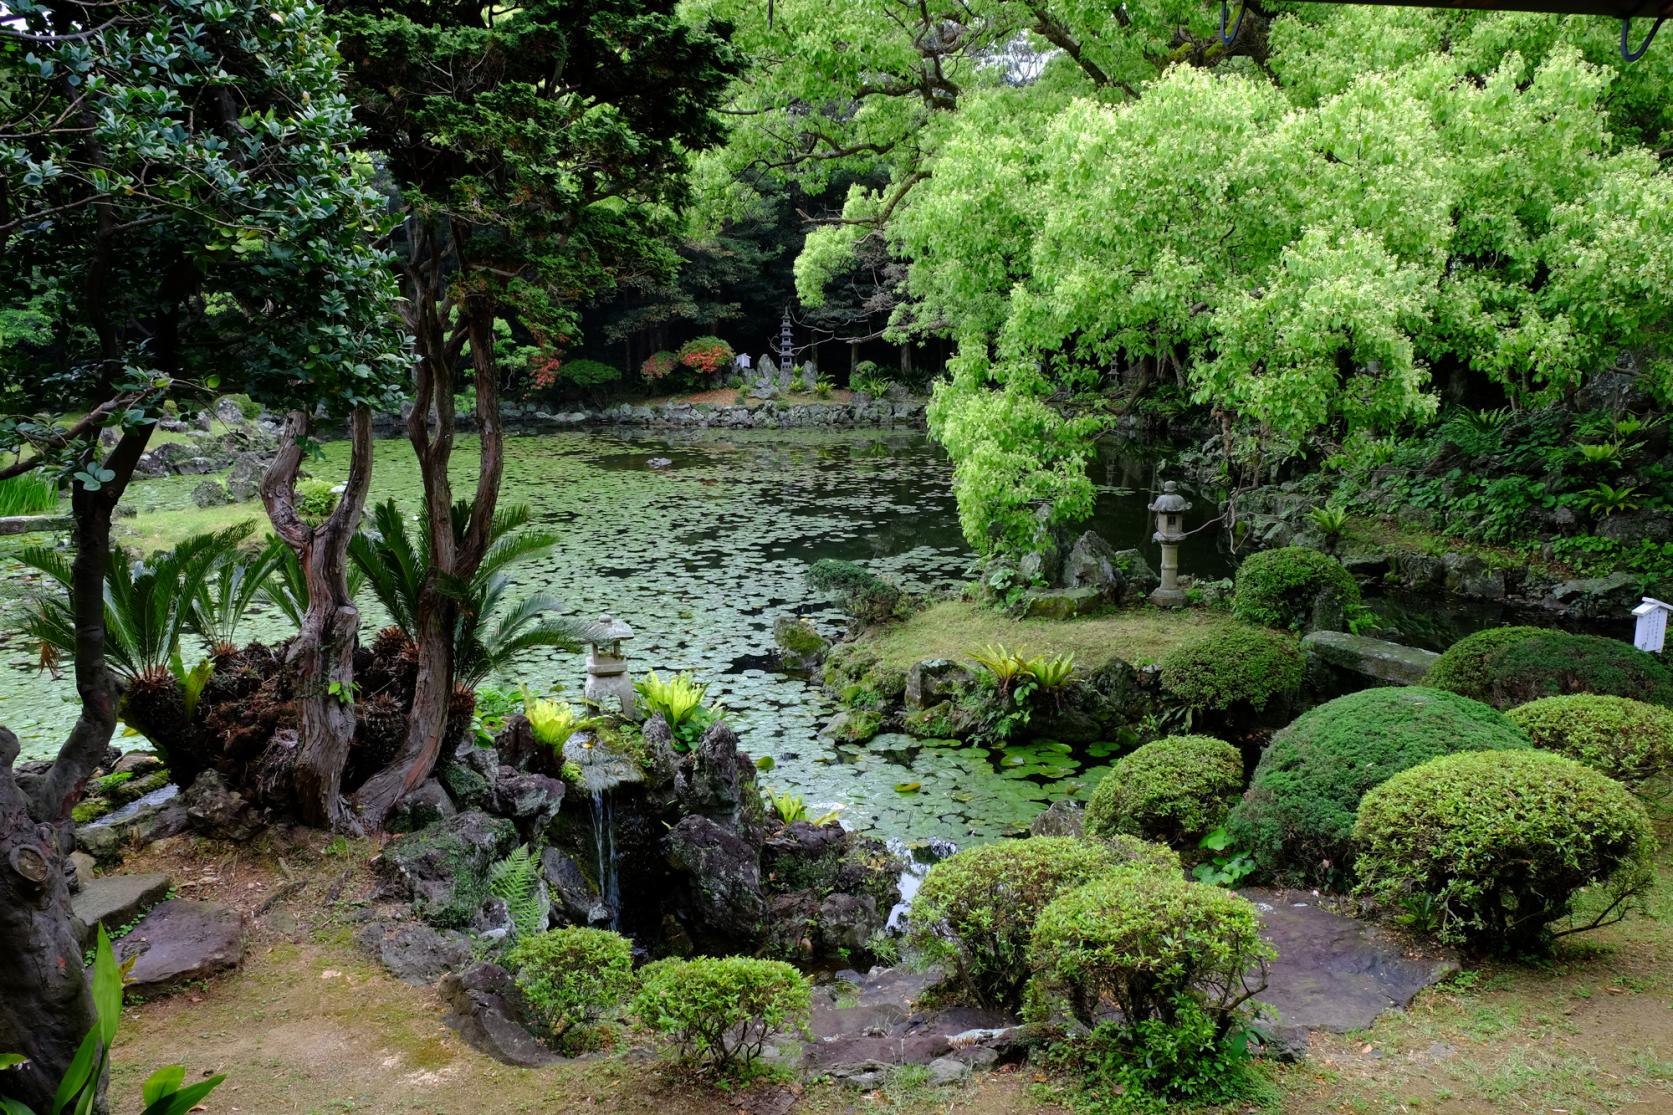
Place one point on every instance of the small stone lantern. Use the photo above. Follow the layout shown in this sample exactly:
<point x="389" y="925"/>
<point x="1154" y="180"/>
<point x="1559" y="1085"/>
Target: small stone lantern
<point x="607" y="666"/>
<point x="1170" y="508"/>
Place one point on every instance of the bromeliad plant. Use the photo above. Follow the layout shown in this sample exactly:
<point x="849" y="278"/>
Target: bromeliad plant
<point x="80" y="1091"/>
<point x="552" y="722"/>
<point x="792" y="807"/>
<point x="679" y="700"/>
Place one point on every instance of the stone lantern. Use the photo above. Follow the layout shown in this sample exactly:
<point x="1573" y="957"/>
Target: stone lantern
<point x="607" y="666"/>
<point x="1170" y="508"/>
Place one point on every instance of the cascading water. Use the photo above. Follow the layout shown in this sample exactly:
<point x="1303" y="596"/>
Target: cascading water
<point x="604" y="842"/>
<point x="599" y="770"/>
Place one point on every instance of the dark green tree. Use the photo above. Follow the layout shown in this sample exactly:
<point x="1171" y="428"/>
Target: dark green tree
<point x="538" y="151"/>
<point x="170" y="177"/>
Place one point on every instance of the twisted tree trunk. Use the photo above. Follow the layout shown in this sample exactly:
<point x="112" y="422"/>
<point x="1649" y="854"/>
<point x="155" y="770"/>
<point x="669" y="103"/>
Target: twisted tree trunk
<point x="46" y="1008"/>
<point x="454" y="558"/>
<point x="323" y="651"/>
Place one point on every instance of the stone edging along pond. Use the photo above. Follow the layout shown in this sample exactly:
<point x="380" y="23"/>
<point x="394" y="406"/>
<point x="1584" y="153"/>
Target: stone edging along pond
<point x="857" y="413"/>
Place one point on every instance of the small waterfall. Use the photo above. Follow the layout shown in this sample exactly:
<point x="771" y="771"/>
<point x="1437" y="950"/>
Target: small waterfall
<point x="604" y="843"/>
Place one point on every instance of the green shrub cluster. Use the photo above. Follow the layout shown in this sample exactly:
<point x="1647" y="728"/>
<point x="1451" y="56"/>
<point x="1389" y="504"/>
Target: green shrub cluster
<point x="1628" y="740"/>
<point x="1510" y="666"/>
<point x="315" y="499"/>
<point x="1240" y="665"/>
<point x="589" y="373"/>
<point x="570" y="977"/>
<point x="1297" y="817"/>
<point x="720" y="1011"/>
<point x="858" y="591"/>
<point x="976" y="910"/>
<point x="1173" y="791"/>
<point x="1282" y="587"/>
<point x="1490" y="850"/>
<point x="1179" y="960"/>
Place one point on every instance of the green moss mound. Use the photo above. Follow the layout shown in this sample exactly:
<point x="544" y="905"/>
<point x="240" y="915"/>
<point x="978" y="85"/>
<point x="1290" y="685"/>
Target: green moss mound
<point x="1489" y="850"/>
<point x="1173" y="791"/>
<point x="1628" y="740"/>
<point x="1239" y="665"/>
<point x="1282" y="587"/>
<point x="1297" y="817"/>
<point x="1510" y="666"/>
<point x="976" y="910"/>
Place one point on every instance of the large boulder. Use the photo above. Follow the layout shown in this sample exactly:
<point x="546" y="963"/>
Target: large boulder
<point x="415" y="953"/>
<point x="488" y="1011"/>
<point x="529" y="800"/>
<point x="182" y="941"/>
<point x="217" y="811"/>
<point x="443" y="869"/>
<point x="933" y="681"/>
<point x="424" y="806"/>
<point x="574" y="900"/>
<point x="719" y="878"/>
<point x="1094" y="563"/>
<point x="1608" y="597"/>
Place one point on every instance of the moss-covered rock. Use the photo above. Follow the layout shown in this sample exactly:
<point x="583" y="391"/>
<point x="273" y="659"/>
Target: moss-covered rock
<point x="443" y="869"/>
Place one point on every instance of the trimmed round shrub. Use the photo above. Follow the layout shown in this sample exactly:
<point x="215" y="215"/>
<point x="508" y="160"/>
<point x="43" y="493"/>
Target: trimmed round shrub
<point x="589" y="373"/>
<point x="720" y="1010"/>
<point x="976" y="909"/>
<point x="1296" y="819"/>
<point x="1281" y="588"/>
<point x="1173" y="790"/>
<point x="858" y="591"/>
<point x="1628" y="740"/>
<point x="1238" y="665"/>
<point x="1144" y="855"/>
<point x="572" y="976"/>
<point x="1149" y="944"/>
<point x="658" y="365"/>
<point x="1489" y="850"/>
<point x="1510" y="666"/>
<point x="705" y="355"/>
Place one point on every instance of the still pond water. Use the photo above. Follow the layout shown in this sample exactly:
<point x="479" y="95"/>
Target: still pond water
<point x="699" y="541"/>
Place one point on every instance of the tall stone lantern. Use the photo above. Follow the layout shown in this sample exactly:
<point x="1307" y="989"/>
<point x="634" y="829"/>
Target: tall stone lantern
<point x="1170" y="508"/>
<point x="607" y="678"/>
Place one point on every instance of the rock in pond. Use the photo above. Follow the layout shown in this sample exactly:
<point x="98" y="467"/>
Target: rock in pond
<point x="113" y="901"/>
<point x="180" y="941"/>
<point x="1335" y="973"/>
<point x="1365" y="657"/>
<point x="1063" y="817"/>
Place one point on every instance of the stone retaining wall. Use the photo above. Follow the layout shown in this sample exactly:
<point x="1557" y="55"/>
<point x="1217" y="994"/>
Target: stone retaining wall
<point x="770" y="415"/>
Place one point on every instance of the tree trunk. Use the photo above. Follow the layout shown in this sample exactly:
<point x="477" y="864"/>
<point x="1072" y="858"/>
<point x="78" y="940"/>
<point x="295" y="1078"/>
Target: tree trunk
<point x="453" y="560"/>
<point x="323" y="652"/>
<point x="46" y="1008"/>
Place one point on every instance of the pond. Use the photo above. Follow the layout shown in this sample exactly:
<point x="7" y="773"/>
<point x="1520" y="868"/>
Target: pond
<point x="699" y="540"/>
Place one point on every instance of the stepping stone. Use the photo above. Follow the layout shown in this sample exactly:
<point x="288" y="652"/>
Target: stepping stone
<point x="1336" y="973"/>
<point x="1365" y="657"/>
<point x="113" y="901"/>
<point x="180" y="941"/>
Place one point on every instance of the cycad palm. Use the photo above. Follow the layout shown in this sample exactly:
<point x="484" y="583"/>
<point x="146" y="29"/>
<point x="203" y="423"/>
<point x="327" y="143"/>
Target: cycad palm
<point x="395" y="563"/>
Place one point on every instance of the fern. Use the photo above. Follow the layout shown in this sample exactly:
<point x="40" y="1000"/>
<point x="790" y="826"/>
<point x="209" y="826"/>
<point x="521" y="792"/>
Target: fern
<point x="516" y="879"/>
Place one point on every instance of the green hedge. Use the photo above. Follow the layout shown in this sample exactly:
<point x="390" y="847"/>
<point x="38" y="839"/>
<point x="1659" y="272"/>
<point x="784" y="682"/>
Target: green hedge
<point x="1239" y="665"/>
<point x="1279" y="588"/>
<point x="1628" y="740"/>
<point x="976" y="909"/>
<point x="1489" y="850"/>
<point x="1510" y="666"/>
<point x="1296" y="819"/>
<point x="1173" y="791"/>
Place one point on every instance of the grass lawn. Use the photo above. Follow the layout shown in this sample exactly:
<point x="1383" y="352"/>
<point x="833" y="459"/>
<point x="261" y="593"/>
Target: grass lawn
<point x="951" y="629"/>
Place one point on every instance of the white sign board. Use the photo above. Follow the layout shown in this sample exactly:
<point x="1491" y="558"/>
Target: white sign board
<point x="1651" y="632"/>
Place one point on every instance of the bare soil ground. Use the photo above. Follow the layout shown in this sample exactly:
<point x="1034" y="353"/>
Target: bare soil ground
<point x="311" y="1026"/>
